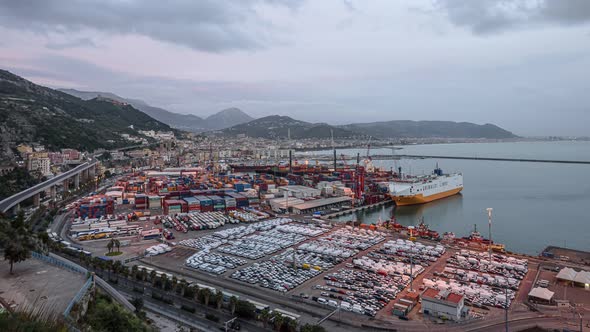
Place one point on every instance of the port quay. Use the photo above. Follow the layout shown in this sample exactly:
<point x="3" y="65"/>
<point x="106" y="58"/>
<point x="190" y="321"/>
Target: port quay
<point x="268" y="235"/>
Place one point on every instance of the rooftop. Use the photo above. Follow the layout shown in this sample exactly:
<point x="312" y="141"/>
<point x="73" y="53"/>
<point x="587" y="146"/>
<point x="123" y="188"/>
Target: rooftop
<point x="433" y="294"/>
<point x="321" y="202"/>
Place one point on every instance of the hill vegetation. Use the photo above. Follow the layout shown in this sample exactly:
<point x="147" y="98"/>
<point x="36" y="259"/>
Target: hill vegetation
<point x="189" y="122"/>
<point x="33" y="113"/>
<point x="276" y="126"/>
<point x="426" y="129"/>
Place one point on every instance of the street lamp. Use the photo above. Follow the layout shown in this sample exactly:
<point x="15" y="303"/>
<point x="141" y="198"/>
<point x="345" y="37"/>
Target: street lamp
<point x="490" y="232"/>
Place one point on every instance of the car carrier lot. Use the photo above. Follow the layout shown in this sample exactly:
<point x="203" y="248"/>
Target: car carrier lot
<point x="264" y="276"/>
<point x="259" y="264"/>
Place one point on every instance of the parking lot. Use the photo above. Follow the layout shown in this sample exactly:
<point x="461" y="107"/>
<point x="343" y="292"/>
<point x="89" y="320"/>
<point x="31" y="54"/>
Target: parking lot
<point x="361" y="271"/>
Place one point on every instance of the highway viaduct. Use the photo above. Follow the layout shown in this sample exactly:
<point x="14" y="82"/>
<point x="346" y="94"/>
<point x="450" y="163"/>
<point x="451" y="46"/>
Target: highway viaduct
<point x="82" y="172"/>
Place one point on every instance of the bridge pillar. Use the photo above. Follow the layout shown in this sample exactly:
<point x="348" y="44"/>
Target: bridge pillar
<point x="92" y="172"/>
<point x="66" y="184"/>
<point x="77" y="181"/>
<point x="37" y="200"/>
<point x="52" y="192"/>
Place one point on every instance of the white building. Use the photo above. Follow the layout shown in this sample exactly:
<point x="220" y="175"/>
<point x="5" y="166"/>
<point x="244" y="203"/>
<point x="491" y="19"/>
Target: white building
<point x="42" y="165"/>
<point x="299" y="191"/>
<point x="443" y="304"/>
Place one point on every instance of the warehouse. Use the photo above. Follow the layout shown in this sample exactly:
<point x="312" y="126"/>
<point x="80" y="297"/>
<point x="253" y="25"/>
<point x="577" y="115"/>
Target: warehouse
<point x="443" y="304"/>
<point x="320" y="204"/>
<point x="278" y="204"/>
<point x="300" y="191"/>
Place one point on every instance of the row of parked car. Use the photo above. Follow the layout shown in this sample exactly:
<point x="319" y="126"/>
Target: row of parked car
<point x="275" y="275"/>
<point x="369" y="292"/>
<point x="209" y="258"/>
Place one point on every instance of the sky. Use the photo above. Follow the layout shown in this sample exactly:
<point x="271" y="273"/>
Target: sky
<point x="522" y="65"/>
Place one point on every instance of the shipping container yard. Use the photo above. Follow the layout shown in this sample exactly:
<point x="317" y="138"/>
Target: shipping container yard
<point x="261" y="235"/>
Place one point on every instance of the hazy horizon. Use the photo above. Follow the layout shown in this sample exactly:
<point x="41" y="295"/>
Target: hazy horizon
<point x="522" y="65"/>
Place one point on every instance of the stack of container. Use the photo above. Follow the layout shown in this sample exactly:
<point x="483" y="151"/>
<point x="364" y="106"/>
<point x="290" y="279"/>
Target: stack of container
<point x="173" y="206"/>
<point x="141" y="202"/>
<point x="193" y="204"/>
<point x="95" y="207"/>
<point x="240" y="187"/>
<point x="205" y="203"/>
<point x="155" y="202"/>
<point x="241" y="200"/>
<point x="218" y="203"/>
<point x="230" y="203"/>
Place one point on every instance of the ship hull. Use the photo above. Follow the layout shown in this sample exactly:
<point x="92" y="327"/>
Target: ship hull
<point x="421" y="199"/>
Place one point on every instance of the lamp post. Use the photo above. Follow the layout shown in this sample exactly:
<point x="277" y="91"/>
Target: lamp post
<point x="490" y="232"/>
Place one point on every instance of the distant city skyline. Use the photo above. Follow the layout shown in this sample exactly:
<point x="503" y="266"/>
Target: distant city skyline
<point x="522" y="65"/>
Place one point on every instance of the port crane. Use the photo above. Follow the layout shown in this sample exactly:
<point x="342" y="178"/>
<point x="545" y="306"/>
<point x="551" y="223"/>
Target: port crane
<point x="368" y="161"/>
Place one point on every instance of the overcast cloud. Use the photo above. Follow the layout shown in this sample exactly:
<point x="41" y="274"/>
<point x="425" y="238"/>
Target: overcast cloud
<point x="523" y="65"/>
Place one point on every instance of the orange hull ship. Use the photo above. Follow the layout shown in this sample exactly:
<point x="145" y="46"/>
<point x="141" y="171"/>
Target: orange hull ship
<point x="426" y="188"/>
<point x="421" y="199"/>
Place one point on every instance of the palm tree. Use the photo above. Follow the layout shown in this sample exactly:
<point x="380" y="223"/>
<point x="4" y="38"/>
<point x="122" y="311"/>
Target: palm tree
<point x="218" y="299"/>
<point x="291" y="325"/>
<point x="196" y="292"/>
<point x="117" y="244"/>
<point x="265" y="316"/>
<point x="182" y="287"/>
<point x="206" y="296"/>
<point x="233" y="302"/>
<point x="278" y="321"/>
<point x="125" y="271"/>
<point x="174" y="283"/>
<point x="117" y="266"/>
<point x="153" y="277"/>
<point x="165" y="281"/>
<point x="134" y="270"/>
<point x="110" y="245"/>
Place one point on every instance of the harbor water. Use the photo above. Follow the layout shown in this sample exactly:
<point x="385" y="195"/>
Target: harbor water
<point x="535" y="204"/>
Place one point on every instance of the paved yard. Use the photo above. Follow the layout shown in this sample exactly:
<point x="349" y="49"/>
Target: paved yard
<point x="36" y="285"/>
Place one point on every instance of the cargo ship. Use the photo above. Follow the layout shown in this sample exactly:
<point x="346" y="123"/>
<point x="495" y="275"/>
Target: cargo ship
<point x="411" y="190"/>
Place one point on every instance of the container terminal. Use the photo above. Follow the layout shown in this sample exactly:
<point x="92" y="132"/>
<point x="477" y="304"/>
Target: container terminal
<point x="263" y="234"/>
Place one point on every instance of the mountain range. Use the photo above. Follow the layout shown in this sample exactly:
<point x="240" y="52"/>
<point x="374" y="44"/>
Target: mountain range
<point x="91" y="120"/>
<point x="276" y="126"/>
<point x="33" y="113"/>
<point x="188" y="122"/>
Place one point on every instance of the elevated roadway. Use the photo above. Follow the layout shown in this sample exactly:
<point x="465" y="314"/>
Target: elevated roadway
<point x="85" y="170"/>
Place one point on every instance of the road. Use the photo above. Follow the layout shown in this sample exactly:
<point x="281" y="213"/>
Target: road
<point x="15" y="199"/>
<point x="126" y="286"/>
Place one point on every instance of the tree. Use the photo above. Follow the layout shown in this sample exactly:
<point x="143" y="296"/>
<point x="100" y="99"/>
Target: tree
<point x="218" y="299"/>
<point x="137" y="302"/>
<point x="110" y="245"/>
<point x="189" y="292"/>
<point x="206" y="295"/>
<point x="174" y="283"/>
<point x="116" y="266"/>
<point x="233" y="302"/>
<point x="278" y="320"/>
<point x="312" y="328"/>
<point x="165" y="282"/>
<point x="245" y="309"/>
<point x="290" y="325"/>
<point x="18" y="240"/>
<point x="264" y="317"/>
<point x="114" y="243"/>
<point x="117" y="244"/>
<point x="153" y="277"/>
